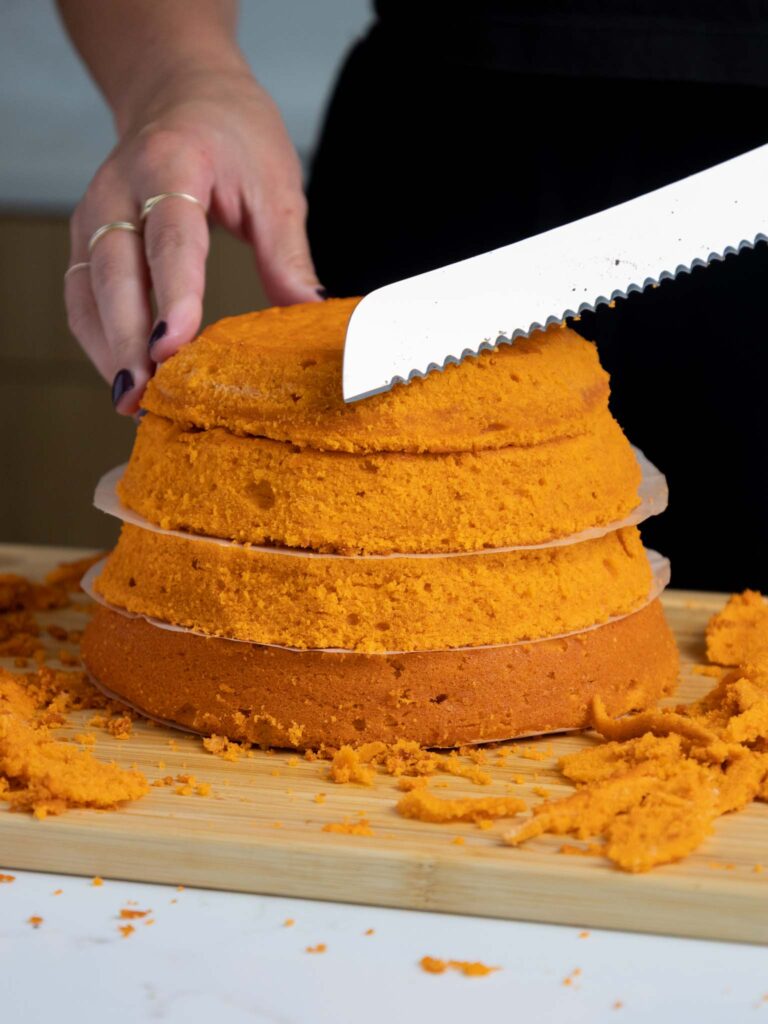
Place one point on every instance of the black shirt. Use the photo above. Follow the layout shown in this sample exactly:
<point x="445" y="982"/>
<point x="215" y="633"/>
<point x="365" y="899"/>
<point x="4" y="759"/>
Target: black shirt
<point x="668" y="40"/>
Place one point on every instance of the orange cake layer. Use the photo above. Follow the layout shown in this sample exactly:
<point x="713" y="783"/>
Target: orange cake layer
<point x="376" y="604"/>
<point x="251" y="489"/>
<point x="305" y="699"/>
<point x="277" y="374"/>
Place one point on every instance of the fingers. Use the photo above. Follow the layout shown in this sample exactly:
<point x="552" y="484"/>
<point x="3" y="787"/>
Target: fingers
<point x="279" y="238"/>
<point x="120" y="289"/>
<point x="83" y="317"/>
<point x="176" y="244"/>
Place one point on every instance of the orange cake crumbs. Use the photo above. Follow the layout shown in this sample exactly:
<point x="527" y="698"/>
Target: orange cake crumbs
<point x="654" y="790"/>
<point x="458" y="840"/>
<point x="97" y="881"/>
<point x="288" y="922"/>
<point x="738" y="635"/>
<point x="35" y="920"/>
<point x="319" y="798"/>
<point x="319" y="948"/>
<point x="369" y="931"/>
<point x="469" y="968"/>
<point x="402" y="758"/>
<point x="57" y="892"/>
<point x="348" y="766"/>
<point x="46" y="776"/>
<point x="225" y="748"/>
<point x="572" y="976"/>
<point x="424" y="805"/>
<point x="584" y="935"/>
<point x="406" y="783"/>
<point x="292" y="761"/>
<point x="485" y="824"/>
<point x="350" y="828"/>
<point x="758" y="869"/>
<point x="532" y="754"/>
<point x="7" y="879"/>
<point x="541" y="791"/>
<point x="126" y="930"/>
<point x="617" y="1005"/>
<point x="128" y="914"/>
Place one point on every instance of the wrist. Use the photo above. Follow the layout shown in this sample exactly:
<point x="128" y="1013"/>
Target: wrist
<point x="191" y="77"/>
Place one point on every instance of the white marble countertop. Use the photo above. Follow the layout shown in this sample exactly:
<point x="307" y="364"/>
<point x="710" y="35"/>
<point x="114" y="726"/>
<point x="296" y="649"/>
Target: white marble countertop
<point x="225" y="958"/>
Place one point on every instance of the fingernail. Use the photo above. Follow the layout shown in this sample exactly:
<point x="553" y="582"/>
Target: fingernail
<point x="158" y="332"/>
<point x="322" y="292"/>
<point x="123" y="382"/>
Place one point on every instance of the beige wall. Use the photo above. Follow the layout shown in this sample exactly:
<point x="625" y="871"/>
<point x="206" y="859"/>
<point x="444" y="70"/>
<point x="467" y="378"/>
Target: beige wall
<point x="58" y="432"/>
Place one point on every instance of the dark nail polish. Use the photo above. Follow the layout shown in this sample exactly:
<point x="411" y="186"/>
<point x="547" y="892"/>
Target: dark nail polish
<point x="158" y="332"/>
<point x="322" y="292"/>
<point x="123" y="382"/>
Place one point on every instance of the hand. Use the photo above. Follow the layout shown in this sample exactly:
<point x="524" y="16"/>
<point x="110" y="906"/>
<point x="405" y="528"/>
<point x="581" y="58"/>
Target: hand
<point x="218" y="137"/>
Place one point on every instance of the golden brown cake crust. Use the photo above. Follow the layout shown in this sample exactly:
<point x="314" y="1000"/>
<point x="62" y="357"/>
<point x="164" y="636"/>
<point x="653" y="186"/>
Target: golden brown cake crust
<point x="215" y="483"/>
<point x="284" y="698"/>
<point x="376" y="604"/>
<point x="277" y="374"/>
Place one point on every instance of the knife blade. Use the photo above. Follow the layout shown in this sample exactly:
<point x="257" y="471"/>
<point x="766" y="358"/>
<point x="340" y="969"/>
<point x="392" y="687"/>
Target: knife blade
<point x="424" y="323"/>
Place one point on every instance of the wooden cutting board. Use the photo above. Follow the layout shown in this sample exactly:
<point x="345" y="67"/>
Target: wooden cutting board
<point x="260" y="830"/>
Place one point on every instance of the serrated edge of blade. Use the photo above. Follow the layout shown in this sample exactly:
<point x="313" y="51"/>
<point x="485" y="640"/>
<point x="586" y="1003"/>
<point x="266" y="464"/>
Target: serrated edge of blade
<point x="584" y="307"/>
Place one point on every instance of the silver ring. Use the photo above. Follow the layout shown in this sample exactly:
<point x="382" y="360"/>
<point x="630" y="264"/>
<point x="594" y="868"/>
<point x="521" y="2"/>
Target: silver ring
<point x="114" y="225"/>
<point x="74" y="267"/>
<point x="149" y="204"/>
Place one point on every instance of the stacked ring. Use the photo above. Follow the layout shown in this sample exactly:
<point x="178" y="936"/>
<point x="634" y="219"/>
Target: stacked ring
<point x="149" y="204"/>
<point x="115" y="225"/>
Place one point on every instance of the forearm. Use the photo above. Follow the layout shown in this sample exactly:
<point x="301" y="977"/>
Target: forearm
<point x="138" y="51"/>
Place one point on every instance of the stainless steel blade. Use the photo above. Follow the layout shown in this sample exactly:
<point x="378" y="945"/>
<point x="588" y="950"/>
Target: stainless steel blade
<point x="423" y="323"/>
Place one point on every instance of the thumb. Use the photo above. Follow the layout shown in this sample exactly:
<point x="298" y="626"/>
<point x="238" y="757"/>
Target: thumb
<point x="281" y="247"/>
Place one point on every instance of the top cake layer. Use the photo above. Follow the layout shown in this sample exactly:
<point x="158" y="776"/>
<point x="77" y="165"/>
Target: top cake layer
<point x="277" y="374"/>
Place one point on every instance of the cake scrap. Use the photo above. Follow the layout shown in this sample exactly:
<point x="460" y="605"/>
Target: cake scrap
<point x="738" y="635"/>
<point x="469" y="968"/>
<point x="653" y="791"/>
<point x="38" y="773"/>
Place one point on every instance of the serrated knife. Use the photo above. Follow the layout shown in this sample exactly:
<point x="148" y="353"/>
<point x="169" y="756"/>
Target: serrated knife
<point x="410" y="328"/>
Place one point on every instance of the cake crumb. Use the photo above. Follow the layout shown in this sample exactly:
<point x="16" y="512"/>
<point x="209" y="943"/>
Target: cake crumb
<point x="319" y="798"/>
<point x="738" y="635"/>
<point x="97" y="881"/>
<point x="319" y="948"/>
<point x="57" y="892"/>
<point x="129" y="914"/>
<point x="653" y="790"/>
<point x="35" y="920"/>
<point x="426" y="806"/>
<point x="7" y="879"/>
<point x="458" y="840"/>
<point x="584" y="935"/>
<point x="369" y="931"/>
<point x="126" y="930"/>
<point x="289" y="922"/>
<point x="350" y="828"/>
<point x="469" y="968"/>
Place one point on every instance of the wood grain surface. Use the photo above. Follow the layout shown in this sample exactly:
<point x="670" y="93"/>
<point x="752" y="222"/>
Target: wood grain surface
<point x="261" y="829"/>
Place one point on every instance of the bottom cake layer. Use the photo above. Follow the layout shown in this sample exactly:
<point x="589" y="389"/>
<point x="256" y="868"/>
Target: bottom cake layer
<point x="282" y="698"/>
